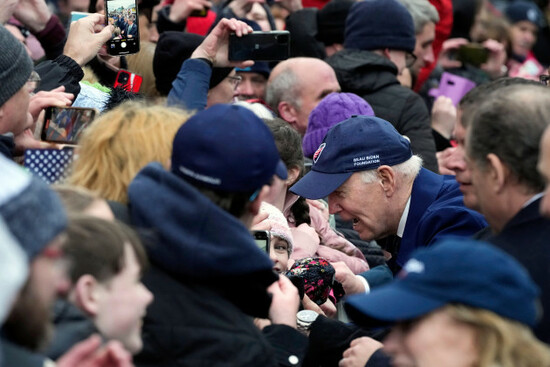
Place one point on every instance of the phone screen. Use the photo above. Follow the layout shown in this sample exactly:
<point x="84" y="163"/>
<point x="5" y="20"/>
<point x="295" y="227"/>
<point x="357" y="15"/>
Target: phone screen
<point x="262" y="240"/>
<point x="123" y="16"/>
<point x="65" y="125"/>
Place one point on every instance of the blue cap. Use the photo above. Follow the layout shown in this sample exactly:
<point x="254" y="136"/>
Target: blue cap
<point x="226" y="148"/>
<point x="360" y="143"/>
<point x="260" y="67"/>
<point x="457" y="270"/>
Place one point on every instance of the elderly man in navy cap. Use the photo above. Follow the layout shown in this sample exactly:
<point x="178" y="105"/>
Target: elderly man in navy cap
<point x="208" y="275"/>
<point x="370" y="175"/>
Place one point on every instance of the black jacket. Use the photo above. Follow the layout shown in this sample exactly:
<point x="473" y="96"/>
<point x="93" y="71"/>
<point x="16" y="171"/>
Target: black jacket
<point x="527" y="238"/>
<point x="373" y="77"/>
<point x="209" y="279"/>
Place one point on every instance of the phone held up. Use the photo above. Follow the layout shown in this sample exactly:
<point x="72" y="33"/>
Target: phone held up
<point x="129" y="81"/>
<point x="260" y="46"/>
<point x="262" y="239"/>
<point x="65" y="124"/>
<point x="123" y="16"/>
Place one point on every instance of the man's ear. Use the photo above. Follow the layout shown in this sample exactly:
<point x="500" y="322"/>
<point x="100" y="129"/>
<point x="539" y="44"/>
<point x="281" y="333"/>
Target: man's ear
<point x="386" y="174"/>
<point x="86" y="294"/>
<point x="497" y="171"/>
<point x="287" y="112"/>
<point x="256" y="203"/>
<point x="386" y="53"/>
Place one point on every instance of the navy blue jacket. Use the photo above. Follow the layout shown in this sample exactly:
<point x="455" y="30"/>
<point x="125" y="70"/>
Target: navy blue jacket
<point x="190" y="89"/>
<point x="437" y="210"/>
<point x="208" y="277"/>
<point x="527" y="238"/>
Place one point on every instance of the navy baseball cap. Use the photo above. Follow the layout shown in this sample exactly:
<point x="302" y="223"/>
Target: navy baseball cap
<point x="360" y="143"/>
<point x="455" y="271"/>
<point x="226" y="148"/>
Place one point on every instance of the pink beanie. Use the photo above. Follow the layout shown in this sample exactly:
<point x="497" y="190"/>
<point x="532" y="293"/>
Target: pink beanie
<point x="279" y="225"/>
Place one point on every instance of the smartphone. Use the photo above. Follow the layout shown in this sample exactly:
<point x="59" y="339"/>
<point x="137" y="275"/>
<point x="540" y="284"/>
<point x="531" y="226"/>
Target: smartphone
<point x="129" y="81"/>
<point x="473" y="54"/>
<point x="65" y="124"/>
<point x="123" y="16"/>
<point x="263" y="239"/>
<point x="200" y="13"/>
<point x="260" y="46"/>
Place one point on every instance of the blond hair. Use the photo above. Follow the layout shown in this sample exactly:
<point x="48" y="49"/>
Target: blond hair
<point x="120" y="143"/>
<point x="501" y="342"/>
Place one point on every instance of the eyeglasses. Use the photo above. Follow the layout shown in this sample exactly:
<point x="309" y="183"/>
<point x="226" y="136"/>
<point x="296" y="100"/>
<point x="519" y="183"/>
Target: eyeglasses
<point x="235" y="80"/>
<point x="544" y="79"/>
<point x="33" y="82"/>
<point x="410" y="59"/>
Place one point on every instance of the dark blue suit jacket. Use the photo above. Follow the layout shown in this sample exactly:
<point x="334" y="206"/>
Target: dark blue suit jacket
<point x="527" y="238"/>
<point x="131" y="30"/>
<point x="437" y="210"/>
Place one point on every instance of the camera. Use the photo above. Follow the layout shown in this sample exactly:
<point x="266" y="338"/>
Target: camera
<point x="260" y="46"/>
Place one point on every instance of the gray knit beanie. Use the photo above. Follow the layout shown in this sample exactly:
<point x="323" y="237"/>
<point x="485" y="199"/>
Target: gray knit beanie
<point x="15" y="65"/>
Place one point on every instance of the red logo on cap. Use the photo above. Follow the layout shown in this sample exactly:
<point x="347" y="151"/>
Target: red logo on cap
<point x="318" y="152"/>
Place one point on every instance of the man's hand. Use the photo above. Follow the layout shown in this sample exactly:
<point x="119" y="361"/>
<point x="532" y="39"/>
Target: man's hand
<point x="359" y="352"/>
<point x="34" y="14"/>
<point x="86" y="36"/>
<point x="285" y="302"/>
<point x="55" y="98"/>
<point x="181" y="9"/>
<point x="7" y="8"/>
<point x="444" y="116"/>
<point x="90" y="353"/>
<point x="215" y="46"/>
<point x="26" y="140"/>
<point x="350" y="282"/>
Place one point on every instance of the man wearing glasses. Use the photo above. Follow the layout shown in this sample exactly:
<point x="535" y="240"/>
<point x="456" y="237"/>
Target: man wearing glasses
<point x="378" y="45"/>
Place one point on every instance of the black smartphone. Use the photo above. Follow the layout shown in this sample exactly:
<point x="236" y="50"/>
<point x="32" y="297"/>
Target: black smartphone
<point x="200" y="13"/>
<point x="263" y="239"/>
<point x="260" y="46"/>
<point x="66" y="124"/>
<point x="473" y="54"/>
<point x="123" y="16"/>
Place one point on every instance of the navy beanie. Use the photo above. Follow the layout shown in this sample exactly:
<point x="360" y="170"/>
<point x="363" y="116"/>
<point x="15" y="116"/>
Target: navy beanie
<point x="524" y="10"/>
<point x="379" y="24"/>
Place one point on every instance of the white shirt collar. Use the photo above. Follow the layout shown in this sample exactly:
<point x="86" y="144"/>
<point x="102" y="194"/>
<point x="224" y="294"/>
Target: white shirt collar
<point x="403" y="220"/>
<point x="534" y="198"/>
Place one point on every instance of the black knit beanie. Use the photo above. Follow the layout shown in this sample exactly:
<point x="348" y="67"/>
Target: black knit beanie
<point x="331" y="21"/>
<point x="379" y="24"/>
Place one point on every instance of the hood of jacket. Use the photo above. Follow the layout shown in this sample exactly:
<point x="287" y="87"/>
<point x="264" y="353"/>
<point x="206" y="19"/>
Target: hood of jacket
<point x="362" y="72"/>
<point x="196" y="238"/>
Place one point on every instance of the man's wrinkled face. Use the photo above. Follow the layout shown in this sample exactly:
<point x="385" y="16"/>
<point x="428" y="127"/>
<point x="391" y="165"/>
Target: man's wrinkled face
<point x="365" y="204"/>
<point x="14" y="113"/>
<point x="462" y="171"/>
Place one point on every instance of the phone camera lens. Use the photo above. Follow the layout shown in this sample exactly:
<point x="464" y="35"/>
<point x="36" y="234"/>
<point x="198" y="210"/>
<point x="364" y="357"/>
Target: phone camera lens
<point x="282" y="39"/>
<point x="123" y="78"/>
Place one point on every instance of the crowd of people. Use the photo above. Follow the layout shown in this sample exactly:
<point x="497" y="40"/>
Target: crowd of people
<point x="376" y="199"/>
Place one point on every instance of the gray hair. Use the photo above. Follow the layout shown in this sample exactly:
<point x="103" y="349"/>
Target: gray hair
<point x="509" y="124"/>
<point x="408" y="170"/>
<point x="422" y="13"/>
<point x="284" y="87"/>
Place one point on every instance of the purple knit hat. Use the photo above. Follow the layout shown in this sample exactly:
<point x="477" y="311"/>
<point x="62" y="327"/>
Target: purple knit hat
<point x="334" y="108"/>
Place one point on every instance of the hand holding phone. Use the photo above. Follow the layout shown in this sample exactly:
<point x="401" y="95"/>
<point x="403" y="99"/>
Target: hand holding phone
<point x="83" y="42"/>
<point x="65" y="125"/>
<point x="260" y="46"/>
<point x="215" y="45"/>
<point x="122" y="15"/>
